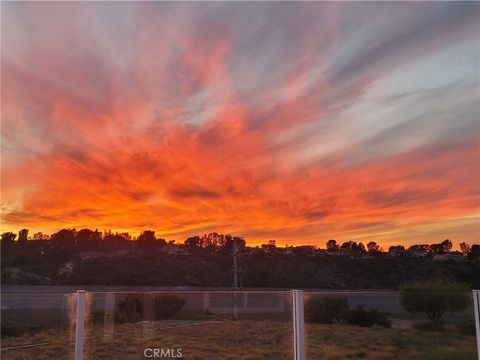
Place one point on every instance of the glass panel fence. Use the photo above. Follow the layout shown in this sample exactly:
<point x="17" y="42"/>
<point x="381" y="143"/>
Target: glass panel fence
<point x="37" y="326"/>
<point x="389" y="325"/>
<point x="194" y="324"/>
<point x="243" y="325"/>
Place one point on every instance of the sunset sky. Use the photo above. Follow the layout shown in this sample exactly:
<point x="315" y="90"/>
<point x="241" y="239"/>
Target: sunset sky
<point x="299" y="122"/>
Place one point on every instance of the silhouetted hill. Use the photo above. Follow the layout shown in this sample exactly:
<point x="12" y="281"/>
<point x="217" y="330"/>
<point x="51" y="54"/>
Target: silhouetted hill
<point x="37" y="263"/>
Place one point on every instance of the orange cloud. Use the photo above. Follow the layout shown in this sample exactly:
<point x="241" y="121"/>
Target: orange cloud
<point x="174" y="128"/>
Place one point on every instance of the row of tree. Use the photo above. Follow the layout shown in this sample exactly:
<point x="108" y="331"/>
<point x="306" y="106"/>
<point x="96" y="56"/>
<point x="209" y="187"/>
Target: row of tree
<point x="214" y="241"/>
<point x="421" y="249"/>
<point x="94" y="240"/>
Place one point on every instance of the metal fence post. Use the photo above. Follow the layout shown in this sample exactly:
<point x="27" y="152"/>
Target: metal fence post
<point x="80" y="324"/>
<point x="476" y="306"/>
<point x="298" y="325"/>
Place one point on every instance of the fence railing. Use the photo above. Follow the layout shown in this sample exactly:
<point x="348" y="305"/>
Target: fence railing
<point x="296" y="324"/>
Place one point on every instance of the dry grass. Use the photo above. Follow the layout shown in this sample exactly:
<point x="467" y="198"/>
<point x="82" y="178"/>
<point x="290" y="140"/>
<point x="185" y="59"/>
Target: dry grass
<point x="335" y="342"/>
<point x="249" y="340"/>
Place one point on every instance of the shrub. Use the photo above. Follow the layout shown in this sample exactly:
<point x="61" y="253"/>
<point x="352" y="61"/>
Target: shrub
<point x="400" y="339"/>
<point x="100" y="317"/>
<point x="167" y="305"/>
<point x="450" y="354"/>
<point x="326" y="309"/>
<point x="466" y="327"/>
<point x="10" y="330"/>
<point x="434" y="299"/>
<point x="130" y="309"/>
<point x="97" y="317"/>
<point x="429" y="326"/>
<point x="367" y="318"/>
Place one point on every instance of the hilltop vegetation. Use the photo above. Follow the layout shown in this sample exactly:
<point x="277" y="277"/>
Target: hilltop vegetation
<point x="87" y="257"/>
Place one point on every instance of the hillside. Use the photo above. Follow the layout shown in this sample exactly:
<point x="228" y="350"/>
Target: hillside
<point x="34" y="265"/>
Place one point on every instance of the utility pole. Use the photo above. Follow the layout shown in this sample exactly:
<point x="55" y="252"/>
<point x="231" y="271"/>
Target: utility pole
<point x="235" y="280"/>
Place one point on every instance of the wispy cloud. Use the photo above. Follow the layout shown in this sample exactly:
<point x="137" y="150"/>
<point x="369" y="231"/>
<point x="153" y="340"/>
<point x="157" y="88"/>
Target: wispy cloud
<point x="294" y="121"/>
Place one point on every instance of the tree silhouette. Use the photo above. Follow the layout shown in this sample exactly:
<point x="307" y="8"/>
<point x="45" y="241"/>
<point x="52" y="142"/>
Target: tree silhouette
<point x="373" y="247"/>
<point x="115" y="241"/>
<point x="147" y="240"/>
<point x="9" y="237"/>
<point x="399" y="249"/>
<point x="214" y="241"/>
<point x="270" y="246"/>
<point x="147" y="236"/>
<point x="64" y="239"/>
<point x="424" y="249"/>
<point x="353" y="247"/>
<point x="442" y="248"/>
<point x="229" y="240"/>
<point x="193" y="242"/>
<point x="465" y="248"/>
<point x="332" y="245"/>
<point x="349" y="245"/>
<point x="23" y="236"/>
<point x="8" y="241"/>
<point x="88" y="240"/>
<point x="474" y="252"/>
<point x="435" y="299"/>
<point x="40" y="236"/>
<point x="361" y="248"/>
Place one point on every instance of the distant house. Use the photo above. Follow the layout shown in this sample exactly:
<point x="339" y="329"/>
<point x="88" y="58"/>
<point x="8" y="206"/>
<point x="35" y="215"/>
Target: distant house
<point x="453" y="255"/>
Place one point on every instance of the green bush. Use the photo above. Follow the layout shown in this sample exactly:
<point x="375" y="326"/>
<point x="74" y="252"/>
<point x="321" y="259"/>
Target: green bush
<point x="367" y="318"/>
<point x="434" y="299"/>
<point x="167" y="305"/>
<point x="326" y="309"/>
<point x="130" y="309"/>
<point x="335" y="309"/>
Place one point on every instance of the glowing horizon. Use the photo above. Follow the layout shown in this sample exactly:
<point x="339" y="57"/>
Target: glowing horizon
<point x="299" y="122"/>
